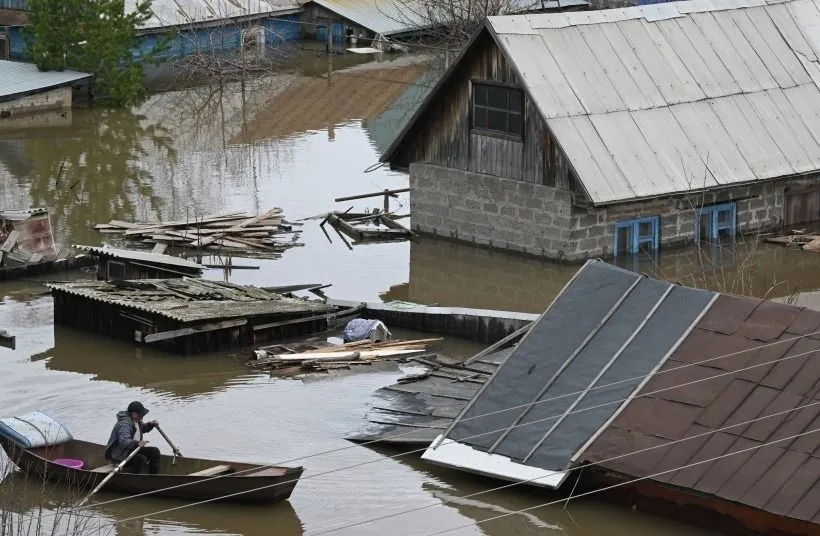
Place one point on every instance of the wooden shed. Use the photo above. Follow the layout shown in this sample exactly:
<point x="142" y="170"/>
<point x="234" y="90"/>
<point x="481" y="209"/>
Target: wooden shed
<point x="188" y="316"/>
<point x="129" y="264"/>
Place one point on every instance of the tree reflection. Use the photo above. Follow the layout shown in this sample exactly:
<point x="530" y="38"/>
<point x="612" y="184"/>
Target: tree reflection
<point x="92" y="172"/>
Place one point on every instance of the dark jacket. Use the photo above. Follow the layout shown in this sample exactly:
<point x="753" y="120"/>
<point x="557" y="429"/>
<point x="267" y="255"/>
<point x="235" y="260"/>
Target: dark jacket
<point x="122" y="442"/>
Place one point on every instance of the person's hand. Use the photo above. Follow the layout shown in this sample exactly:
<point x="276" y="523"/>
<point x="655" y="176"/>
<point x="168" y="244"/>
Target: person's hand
<point x="155" y="423"/>
<point x="143" y="443"/>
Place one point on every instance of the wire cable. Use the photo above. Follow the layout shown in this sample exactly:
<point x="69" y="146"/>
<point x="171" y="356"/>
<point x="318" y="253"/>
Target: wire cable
<point x="786" y="358"/>
<point x="414" y="451"/>
<point x="626" y="483"/>
<point x="548" y="473"/>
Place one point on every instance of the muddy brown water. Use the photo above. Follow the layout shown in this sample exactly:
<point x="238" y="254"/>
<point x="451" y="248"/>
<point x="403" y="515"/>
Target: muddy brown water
<point x="205" y="151"/>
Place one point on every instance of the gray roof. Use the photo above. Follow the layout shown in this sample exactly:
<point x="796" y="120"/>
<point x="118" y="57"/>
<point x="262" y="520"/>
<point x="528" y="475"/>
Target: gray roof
<point x="205" y="12"/>
<point x="608" y="327"/>
<point x="391" y="17"/>
<point x="19" y="79"/>
<point x="142" y="256"/>
<point x="659" y="99"/>
<point x="190" y="300"/>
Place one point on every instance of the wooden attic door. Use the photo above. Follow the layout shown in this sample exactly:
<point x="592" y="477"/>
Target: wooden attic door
<point x="802" y="206"/>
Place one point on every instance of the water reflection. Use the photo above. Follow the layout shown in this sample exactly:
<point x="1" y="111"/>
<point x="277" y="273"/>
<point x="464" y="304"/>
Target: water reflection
<point x="454" y="274"/>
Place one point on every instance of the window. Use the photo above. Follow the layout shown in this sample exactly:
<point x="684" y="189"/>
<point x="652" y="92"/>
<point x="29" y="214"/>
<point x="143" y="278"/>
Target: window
<point x="715" y="222"/>
<point x="634" y="236"/>
<point x="116" y="270"/>
<point x="498" y="109"/>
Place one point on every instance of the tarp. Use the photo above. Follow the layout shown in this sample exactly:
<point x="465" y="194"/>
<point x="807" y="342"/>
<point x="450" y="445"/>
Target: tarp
<point x="35" y="429"/>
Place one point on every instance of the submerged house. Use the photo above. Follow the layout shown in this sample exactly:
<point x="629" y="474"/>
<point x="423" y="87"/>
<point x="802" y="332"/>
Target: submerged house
<point x="696" y="405"/>
<point x="587" y="134"/>
<point x="25" y="90"/>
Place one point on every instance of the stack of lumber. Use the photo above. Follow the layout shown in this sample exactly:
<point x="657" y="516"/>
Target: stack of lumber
<point x="798" y="239"/>
<point x="257" y="236"/>
<point x="330" y="357"/>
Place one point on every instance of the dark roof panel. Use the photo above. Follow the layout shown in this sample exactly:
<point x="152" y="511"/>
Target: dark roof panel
<point x="766" y="375"/>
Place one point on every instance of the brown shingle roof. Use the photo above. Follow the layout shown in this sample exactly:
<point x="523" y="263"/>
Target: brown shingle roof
<point x="783" y="478"/>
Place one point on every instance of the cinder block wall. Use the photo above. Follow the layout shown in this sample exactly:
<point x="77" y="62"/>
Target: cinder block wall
<point x="490" y="211"/>
<point x="48" y="100"/>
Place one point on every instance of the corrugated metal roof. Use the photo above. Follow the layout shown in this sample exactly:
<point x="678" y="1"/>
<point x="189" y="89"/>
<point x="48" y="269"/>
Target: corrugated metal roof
<point x="391" y="17"/>
<point x="144" y="256"/>
<point x="190" y="300"/>
<point x="197" y="12"/>
<point x="18" y="79"/>
<point x="737" y="81"/>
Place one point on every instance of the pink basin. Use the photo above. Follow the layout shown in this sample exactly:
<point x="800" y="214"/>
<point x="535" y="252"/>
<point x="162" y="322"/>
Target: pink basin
<point x="68" y="462"/>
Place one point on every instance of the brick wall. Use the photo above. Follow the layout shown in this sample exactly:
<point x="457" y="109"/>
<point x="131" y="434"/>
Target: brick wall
<point x="490" y="211"/>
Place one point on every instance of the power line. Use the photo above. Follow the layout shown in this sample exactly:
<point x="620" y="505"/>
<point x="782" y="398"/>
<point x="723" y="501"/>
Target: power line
<point x="518" y="483"/>
<point x="637" y="378"/>
<point x="628" y="482"/>
<point x="452" y="441"/>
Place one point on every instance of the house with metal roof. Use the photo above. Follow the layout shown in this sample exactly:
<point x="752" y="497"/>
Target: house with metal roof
<point x="369" y="24"/>
<point x="594" y="133"/>
<point x="122" y="264"/>
<point x="682" y="402"/>
<point x="26" y="90"/>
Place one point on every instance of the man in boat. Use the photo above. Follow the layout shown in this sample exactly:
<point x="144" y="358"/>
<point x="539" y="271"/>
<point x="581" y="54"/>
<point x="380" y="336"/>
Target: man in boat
<point x="127" y="435"/>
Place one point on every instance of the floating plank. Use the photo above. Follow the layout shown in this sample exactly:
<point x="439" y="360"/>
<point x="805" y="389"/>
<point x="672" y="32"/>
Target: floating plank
<point x="173" y="334"/>
<point x="10" y="241"/>
<point x="159" y="248"/>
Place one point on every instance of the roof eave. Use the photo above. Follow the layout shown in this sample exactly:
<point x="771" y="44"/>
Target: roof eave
<point x="397" y="141"/>
<point x="21" y="94"/>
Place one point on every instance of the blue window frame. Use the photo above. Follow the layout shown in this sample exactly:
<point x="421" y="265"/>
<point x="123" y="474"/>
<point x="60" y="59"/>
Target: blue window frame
<point x="633" y="236"/>
<point x="715" y="222"/>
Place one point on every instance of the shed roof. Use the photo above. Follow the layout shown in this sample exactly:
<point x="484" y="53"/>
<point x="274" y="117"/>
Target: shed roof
<point x="204" y="12"/>
<point x="666" y="98"/>
<point x="608" y="326"/>
<point x="141" y="256"/>
<point x="19" y="79"/>
<point x="781" y="478"/>
<point x="189" y="300"/>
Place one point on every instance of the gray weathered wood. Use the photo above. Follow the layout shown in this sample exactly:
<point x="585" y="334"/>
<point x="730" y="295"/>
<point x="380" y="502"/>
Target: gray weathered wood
<point x="10" y="241"/>
<point x="214" y="326"/>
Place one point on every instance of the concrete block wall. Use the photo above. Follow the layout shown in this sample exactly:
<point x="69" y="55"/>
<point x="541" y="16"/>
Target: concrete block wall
<point x="490" y="211"/>
<point x="49" y="100"/>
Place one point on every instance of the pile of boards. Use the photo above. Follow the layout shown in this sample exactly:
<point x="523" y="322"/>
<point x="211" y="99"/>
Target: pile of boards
<point x="798" y="239"/>
<point x="326" y="357"/>
<point x="254" y="236"/>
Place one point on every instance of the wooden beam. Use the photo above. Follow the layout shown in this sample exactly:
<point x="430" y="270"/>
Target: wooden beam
<point x="492" y="348"/>
<point x="374" y="194"/>
<point x="214" y="326"/>
<point x="10" y="242"/>
<point x="329" y="316"/>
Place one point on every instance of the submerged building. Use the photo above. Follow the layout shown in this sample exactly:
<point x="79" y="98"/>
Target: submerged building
<point x="577" y="135"/>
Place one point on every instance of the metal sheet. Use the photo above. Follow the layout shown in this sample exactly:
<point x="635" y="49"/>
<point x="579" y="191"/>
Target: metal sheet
<point x="183" y="12"/>
<point x="779" y="130"/>
<point x="781" y="14"/>
<point x="725" y="49"/>
<point x="745" y="51"/>
<point x="684" y="168"/>
<point x="583" y="71"/>
<point x="769" y="45"/>
<point x="620" y="77"/>
<point x="752" y="139"/>
<point x="547" y="85"/>
<point x="623" y="49"/>
<point x="632" y="153"/>
<point x="806" y="101"/>
<point x="793" y="118"/>
<point x="603" y="179"/>
<point x="700" y="59"/>
<point x="20" y="78"/>
<point x="710" y="139"/>
<point x="658" y="12"/>
<point x="662" y="63"/>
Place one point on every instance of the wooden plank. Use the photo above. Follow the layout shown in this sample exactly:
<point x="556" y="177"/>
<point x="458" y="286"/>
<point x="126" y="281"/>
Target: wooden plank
<point x="10" y="242"/>
<point x="215" y="326"/>
<point x="493" y="347"/>
<point x="159" y="248"/>
<point x="104" y="469"/>
<point x="242" y="225"/>
<point x="7" y="340"/>
<point x="123" y="224"/>
<point x="338" y="314"/>
<point x="213" y="471"/>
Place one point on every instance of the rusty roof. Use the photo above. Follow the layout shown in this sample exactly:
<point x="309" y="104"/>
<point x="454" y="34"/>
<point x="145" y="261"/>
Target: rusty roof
<point x="189" y="300"/>
<point x="782" y="478"/>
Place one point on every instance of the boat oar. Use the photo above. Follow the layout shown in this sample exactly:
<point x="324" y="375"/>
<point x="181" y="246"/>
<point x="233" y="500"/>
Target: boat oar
<point x="110" y="475"/>
<point x="171" y="444"/>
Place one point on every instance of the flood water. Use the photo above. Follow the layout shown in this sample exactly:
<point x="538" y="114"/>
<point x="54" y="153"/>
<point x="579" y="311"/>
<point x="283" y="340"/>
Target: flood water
<point x="297" y="142"/>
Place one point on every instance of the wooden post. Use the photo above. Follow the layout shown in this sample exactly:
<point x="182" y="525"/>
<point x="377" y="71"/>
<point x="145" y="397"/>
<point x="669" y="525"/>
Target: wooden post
<point x="329" y="34"/>
<point x="386" y="200"/>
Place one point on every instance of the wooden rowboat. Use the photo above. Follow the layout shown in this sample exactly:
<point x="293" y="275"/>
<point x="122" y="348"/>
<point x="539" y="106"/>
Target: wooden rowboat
<point x="238" y="482"/>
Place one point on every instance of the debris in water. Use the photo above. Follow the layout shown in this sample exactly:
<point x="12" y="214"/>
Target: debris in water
<point x="798" y="238"/>
<point x="259" y="236"/>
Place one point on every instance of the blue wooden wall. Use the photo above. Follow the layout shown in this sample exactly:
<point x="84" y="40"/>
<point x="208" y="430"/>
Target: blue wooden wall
<point x="17" y="50"/>
<point x="278" y="30"/>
